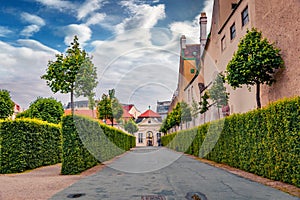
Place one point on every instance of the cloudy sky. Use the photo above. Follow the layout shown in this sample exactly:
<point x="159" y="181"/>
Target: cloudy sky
<point x="134" y="44"/>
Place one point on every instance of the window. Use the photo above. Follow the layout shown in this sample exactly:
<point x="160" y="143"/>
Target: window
<point x="245" y="16"/>
<point x="223" y="43"/>
<point x="140" y="138"/>
<point x="232" y="31"/>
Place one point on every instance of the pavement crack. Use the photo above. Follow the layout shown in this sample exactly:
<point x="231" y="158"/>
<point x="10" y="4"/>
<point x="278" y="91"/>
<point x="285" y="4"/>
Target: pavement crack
<point x="232" y="190"/>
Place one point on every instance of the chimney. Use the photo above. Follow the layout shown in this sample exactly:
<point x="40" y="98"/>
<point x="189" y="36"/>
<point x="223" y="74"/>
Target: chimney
<point x="203" y="31"/>
<point x="183" y="42"/>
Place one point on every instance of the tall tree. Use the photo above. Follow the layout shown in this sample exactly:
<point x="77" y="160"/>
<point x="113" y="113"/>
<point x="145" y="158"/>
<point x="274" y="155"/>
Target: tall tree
<point x="61" y="73"/>
<point x="47" y="109"/>
<point x="130" y="126"/>
<point x="186" y="115"/>
<point x="254" y="63"/>
<point x="109" y="107"/>
<point x="86" y="82"/>
<point x="104" y="108"/>
<point x="6" y="104"/>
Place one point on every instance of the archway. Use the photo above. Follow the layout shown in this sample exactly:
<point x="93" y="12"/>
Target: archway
<point x="149" y="138"/>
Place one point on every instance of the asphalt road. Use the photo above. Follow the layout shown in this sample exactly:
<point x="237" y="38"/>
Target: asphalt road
<point x="158" y="173"/>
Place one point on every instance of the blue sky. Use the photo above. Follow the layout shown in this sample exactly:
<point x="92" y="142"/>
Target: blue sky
<point x="134" y="44"/>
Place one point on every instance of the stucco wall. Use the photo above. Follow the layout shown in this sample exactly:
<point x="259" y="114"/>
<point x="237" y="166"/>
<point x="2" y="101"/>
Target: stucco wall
<point x="279" y="22"/>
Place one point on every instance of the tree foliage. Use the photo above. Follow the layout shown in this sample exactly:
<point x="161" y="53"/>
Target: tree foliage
<point x="6" y="104"/>
<point x="61" y="73"/>
<point x="254" y="63"/>
<point x="130" y="126"/>
<point x="46" y="109"/>
<point x="86" y="81"/>
<point x="181" y="113"/>
<point x="109" y="107"/>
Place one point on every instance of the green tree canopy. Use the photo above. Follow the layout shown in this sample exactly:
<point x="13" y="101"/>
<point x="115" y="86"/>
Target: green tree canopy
<point x="61" y="73"/>
<point x="217" y="92"/>
<point x="130" y="126"/>
<point x="254" y="63"/>
<point x="6" y="104"/>
<point x="86" y="81"/>
<point x="46" y="109"/>
<point x="109" y="107"/>
<point x="186" y="115"/>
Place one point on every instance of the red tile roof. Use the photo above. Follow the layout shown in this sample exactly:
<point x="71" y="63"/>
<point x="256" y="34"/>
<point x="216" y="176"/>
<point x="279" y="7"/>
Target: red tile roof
<point x="128" y="107"/>
<point x="86" y="113"/>
<point x="126" y="114"/>
<point x="149" y="114"/>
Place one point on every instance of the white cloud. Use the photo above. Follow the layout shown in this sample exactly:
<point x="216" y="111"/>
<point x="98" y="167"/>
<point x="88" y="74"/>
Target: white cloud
<point x="21" y="68"/>
<point x="32" y="19"/>
<point x="35" y="21"/>
<point x="141" y="16"/>
<point x="4" y="31"/>
<point x="58" y="4"/>
<point x="95" y="19"/>
<point x="208" y="8"/>
<point x="30" y="30"/>
<point x="83" y="32"/>
<point x="88" y="7"/>
<point x="37" y="46"/>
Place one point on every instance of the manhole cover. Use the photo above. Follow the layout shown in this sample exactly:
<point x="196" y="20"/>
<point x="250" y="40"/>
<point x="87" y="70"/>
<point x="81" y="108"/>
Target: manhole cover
<point x="73" y="196"/>
<point x="195" y="196"/>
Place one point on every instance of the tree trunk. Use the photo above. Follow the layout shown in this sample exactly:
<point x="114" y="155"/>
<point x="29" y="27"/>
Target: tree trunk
<point x="258" y="95"/>
<point x="72" y="101"/>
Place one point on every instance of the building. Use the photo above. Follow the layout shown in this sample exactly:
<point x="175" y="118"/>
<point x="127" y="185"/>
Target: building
<point x="149" y="124"/>
<point x="279" y="22"/>
<point x="162" y="108"/>
<point x="132" y="110"/>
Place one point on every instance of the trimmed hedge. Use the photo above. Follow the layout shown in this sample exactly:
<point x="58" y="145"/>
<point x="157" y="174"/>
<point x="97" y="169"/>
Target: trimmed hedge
<point x="265" y="141"/>
<point x="28" y="144"/>
<point x="86" y="142"/>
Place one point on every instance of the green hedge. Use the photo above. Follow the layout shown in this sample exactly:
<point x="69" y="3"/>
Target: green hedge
<point x="86" y="143"/>
<point x="28" y="144"/>
<point x="265" y="141"/>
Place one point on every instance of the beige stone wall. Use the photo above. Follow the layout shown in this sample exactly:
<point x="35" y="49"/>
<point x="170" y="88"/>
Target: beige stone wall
<point x="279" y="22"/>
<point x="216" y="59"/>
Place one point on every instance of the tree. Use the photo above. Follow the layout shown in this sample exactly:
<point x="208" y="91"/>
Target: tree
<point x="217" y="92"/>
<point x="130" y="126"/>
<point x="86" y="81"/>
<point x="61" y="73"/>
<point x="104" y="108"/>
<point x="109" y="107"/>
<point x="6" y="104"/>
<point x="186" y="115"/>
<point x="254" y="63"/>
<point x="46" y="109"/>
<point x="117" y="109"/>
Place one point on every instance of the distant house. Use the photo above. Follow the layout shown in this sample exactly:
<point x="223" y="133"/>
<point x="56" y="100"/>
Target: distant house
<point x="162" y="108"/>
<point x="17" y="109"/>
<point x="132" y="110"/>
<point x="149" y="124"/>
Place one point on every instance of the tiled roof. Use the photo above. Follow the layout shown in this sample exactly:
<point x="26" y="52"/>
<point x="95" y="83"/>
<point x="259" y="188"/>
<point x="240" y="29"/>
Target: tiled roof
<point x="128" y="106"/>
<point x="86" y="113"/>
<point x="149" y="114"/>
<point x="190" y="49"/>
<point x="126" y="114"/>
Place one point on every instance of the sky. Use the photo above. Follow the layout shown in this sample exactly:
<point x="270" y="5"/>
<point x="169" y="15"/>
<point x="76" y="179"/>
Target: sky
<point x="134" y="45"/>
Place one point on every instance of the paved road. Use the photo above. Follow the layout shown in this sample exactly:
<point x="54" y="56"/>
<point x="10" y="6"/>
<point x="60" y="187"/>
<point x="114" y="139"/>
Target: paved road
<point x="159" y="173"/>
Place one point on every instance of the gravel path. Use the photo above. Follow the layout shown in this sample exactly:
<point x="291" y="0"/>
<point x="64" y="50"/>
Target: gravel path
<point x="38" y="184"/>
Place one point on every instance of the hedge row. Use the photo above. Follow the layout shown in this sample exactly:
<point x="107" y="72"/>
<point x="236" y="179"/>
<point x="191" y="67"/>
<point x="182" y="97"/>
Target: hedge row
<point x="265" y="141"/>
<point x="86" y="143"/>
<point x="28" y="144"/>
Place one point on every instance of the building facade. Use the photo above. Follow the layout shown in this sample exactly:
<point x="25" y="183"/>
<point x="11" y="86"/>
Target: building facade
<point x="279" y="22"/>
<point x="149" y="124"/>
